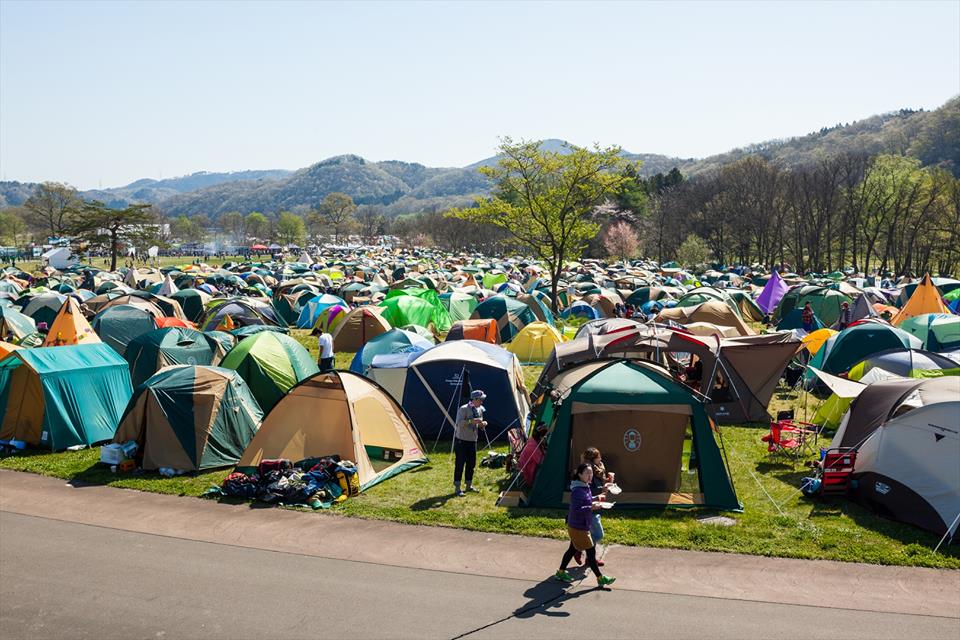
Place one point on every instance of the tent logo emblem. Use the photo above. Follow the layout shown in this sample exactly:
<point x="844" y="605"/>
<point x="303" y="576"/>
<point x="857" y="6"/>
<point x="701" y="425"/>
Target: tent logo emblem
<point x="882" y="489"/>
<point x="631" y="440"/>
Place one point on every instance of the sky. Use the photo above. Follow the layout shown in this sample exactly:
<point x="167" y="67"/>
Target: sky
<point x="101" y="94"/>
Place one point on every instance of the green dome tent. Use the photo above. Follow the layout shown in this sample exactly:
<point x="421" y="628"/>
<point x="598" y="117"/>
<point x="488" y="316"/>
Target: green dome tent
<point x="401" y="310"/>
<point x="270" y="363"/>
<point x="459" y="305"/>
<point x="191" y="418"/>
<point x="511" y="315"/>
<point x="160" y="348"/>
<point x="652" y="430"/>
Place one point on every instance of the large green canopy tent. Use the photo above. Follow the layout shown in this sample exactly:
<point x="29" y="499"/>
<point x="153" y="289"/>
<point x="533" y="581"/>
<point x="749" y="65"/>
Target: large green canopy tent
<point x="650" y="429"/>
<point x="150" y="352"/>
<point x="59" y="397"/>
<point x="270" y="363"/>
<point x="191" y="418"/>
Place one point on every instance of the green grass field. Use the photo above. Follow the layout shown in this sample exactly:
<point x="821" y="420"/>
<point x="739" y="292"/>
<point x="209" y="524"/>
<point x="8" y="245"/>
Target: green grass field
<point x="776" y="521"/>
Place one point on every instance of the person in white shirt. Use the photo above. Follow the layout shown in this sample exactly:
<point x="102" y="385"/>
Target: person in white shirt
<point x="325" y="344"/>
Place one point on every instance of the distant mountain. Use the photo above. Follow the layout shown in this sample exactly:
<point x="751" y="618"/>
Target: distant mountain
<point x="402" y="187"/>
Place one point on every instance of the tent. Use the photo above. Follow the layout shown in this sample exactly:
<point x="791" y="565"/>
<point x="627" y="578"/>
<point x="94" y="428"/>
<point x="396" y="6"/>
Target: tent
<point x="154" y="350"/>
<point x="925" y="299"/>
<point x="402" y="310"/>
<point x="15" y="325"/>
<point x="459" y="305"/>
<point x="772" y="292"/>
<point x="361" y="423"/>
<point x="824" y="302"/>
<point x="314" y="306"/>
<point x="119" y="324"/>
<point x="483" y="330"/>
<point x="270" y="363"/>
<point x="815" y="340"/>
<point x="59" y="397"/>
<point x="535" y="342"/>
<point x="439" y="381"/>
<point x="358" y="327"/>
<point x="44" y="307"/>
<point x="190" y="418"/>
<point x="906" y="363"/>
<point x="651" y="430"/>
<point x="192" y="302"/>
<point x="393" y="341"/>
<point x="330" y="318"/>
<point x="390" y="372"/>
<point x="908" y="469"/>
<point x="712" y="311"/>
<point x="857" y="342"/>
<point x="794" y="321"/>
<point x="70" y="327"/>
<point x="511" y="315"/>
<point x="884" y="400"/>
<point x="240" y="312"/>
<point x="938" y="331"/>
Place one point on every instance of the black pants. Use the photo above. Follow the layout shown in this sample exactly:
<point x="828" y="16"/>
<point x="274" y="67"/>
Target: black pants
<point x="325" y="364"/>
<point x="465" y="458"/>
<point x="591" y="559"/>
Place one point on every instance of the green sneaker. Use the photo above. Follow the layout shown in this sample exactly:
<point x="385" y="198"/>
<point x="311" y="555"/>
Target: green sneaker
<point x="563" y="576"/>
<point x="604" y="581"/>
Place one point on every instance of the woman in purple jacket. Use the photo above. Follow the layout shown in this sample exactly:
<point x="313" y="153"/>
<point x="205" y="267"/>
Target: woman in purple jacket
<point x="578" y="526"/>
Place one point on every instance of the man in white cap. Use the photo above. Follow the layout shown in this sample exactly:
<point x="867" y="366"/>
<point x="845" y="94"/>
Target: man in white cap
<point x="469" y="422"/>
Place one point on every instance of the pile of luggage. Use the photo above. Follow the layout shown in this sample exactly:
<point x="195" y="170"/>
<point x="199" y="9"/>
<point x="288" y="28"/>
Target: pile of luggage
<point x="317" y="482"/>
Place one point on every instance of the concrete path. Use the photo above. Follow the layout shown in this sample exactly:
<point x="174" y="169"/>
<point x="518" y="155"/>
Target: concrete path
<point x="103" y="562"/>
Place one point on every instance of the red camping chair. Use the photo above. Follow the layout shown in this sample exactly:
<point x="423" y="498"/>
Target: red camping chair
<point x="779" y="440"/>
<point x="836" y="471"/>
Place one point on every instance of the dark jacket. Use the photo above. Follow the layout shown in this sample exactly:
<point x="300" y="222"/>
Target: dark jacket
<point x="581" y="506"/>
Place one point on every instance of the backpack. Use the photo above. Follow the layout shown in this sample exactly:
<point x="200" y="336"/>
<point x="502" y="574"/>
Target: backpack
<point x="348" y="479"/>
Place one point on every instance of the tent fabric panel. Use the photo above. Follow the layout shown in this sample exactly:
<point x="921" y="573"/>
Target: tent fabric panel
<point x="24" y="417"/>
<point x="84" y="406"/>
<point x="162" y="446"/>
<point x="580" y="407"/>
<point x="233" y="426"/>
<point x="653" y="466"/>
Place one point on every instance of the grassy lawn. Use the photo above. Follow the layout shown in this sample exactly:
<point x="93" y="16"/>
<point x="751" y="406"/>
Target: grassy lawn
<point x="777" y="520"/>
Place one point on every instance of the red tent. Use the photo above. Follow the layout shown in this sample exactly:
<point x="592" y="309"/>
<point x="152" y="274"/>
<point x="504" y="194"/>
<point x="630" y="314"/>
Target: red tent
<point x="258" y="247"/>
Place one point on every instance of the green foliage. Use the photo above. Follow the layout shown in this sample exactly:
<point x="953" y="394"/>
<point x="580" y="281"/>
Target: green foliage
<point x="52" y="207"/>
<point x="99" y="226"/>
<point x="337" y="209"/>
<point x="290" y="229"/>
<point x="693" y="251"/>
<point x="256" y="225"/>
<point x="544" y="199"/>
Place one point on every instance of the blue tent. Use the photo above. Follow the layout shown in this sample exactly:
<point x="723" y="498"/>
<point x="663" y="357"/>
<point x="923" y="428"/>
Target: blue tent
<point x="440" y="379"/>
<point x="393" y="341"/>
<point x="314" y="307"/>
<point x="59" y="397"/>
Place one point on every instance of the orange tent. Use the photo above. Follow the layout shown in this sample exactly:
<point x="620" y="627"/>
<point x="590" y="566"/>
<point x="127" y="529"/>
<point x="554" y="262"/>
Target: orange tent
<point x="925" y="299"/>
<point x="164" y="322"/>
<point x="6" y="348"/>
<point x="484" y="330"/>
<point x="70" y="327"/>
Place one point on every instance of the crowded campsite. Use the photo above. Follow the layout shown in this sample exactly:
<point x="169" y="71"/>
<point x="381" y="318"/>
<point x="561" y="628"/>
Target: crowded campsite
<point x="784" y="407"/>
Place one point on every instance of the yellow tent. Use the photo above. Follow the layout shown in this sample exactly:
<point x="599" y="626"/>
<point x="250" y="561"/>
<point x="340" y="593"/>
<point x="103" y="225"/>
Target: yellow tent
<point x="535" y="342"/>
<point x="70" y="327"/>
<point x="816" y="339"/>
<point x="925" y="299"/>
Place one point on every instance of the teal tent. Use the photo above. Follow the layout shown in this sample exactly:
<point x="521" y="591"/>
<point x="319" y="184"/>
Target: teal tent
<point x="60" y="397"/>
<point x="651" y="430"/>
<point x="511" y="315"/>
<point x="858" y="342"/>
<point x="121" y="323"/>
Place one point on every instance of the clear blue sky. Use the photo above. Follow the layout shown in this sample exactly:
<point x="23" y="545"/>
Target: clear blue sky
<point x="110" y="92"/>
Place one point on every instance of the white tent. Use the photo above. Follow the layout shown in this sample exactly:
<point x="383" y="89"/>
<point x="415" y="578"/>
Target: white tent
<point x="58" y="258"/>
<point x="168" y="288"/>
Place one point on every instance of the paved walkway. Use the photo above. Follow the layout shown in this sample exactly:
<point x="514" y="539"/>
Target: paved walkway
<point x="54" y="536"/>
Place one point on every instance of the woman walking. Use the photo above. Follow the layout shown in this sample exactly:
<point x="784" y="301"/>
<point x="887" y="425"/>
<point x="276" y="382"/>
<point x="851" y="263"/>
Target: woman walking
<point x="579" y="521"/>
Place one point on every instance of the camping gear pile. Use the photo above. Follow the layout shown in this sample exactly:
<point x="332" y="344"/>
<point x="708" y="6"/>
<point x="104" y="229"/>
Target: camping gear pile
<point x="318" y="483"/>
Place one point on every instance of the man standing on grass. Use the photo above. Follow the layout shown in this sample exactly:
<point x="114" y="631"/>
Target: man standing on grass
<point x="469" y="422"/>
<point x="325" y="344"/>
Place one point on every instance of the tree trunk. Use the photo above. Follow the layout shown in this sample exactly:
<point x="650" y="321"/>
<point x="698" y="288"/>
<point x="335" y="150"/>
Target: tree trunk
<point x="113" y="251"/>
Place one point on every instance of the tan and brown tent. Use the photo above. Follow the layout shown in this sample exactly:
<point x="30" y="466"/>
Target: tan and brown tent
<point x="359" y="327"/>
<point x="191" y="418"/>
<point x="712" y="311"/>
<point x="339" y="413"/>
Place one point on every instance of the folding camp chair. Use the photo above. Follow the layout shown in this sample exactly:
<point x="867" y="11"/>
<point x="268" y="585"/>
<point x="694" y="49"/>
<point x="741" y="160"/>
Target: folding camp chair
<point x="780" y="442"/>
<point x="517" y="441"/>
<point x="799" y="430"/>
<point x="836" y="470"/>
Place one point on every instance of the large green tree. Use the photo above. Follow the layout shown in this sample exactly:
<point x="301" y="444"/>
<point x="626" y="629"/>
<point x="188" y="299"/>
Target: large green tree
<point x="290" y="228"/>
<point x="338" y="209"/>
<point x="544" y="199"/>
<point x="102" y="227"/>
<point x="257" y="225"/>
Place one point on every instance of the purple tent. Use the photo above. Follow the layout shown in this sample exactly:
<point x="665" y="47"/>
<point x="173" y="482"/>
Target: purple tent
<point x="772" y="292"/>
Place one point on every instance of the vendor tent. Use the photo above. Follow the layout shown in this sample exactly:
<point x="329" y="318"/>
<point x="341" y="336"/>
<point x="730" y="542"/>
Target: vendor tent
<point x="652" y="430"/>
<point x="190" y="418"/>
<point x="59" y="397"/>
<point x="360" y="422"/>
<point x="270" y="363"/>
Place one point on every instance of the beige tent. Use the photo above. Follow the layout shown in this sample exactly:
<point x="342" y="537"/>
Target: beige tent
<point x="339" y="413"/>
<point x="712" y="311"/>
<point x="359" y="327"/>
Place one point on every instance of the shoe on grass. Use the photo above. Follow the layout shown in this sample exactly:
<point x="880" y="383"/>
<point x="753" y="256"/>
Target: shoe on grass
<point x="563" y="576"/>
<point x="604" y="581"/>
<point x="460" y="494"/>
<point x="473" y="490"/>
